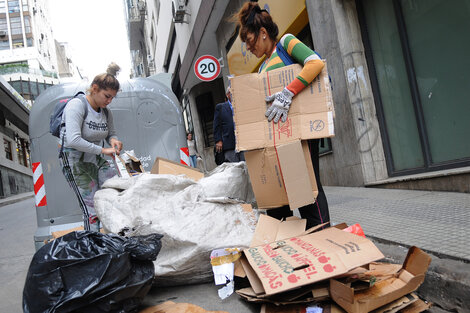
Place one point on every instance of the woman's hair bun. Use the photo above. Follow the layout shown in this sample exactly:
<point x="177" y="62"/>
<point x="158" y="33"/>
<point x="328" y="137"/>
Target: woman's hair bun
<point x="113" y="69"/>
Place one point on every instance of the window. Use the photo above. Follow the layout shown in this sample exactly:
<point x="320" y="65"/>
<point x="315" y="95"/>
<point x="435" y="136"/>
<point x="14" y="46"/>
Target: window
<point x="3" y="8"/>
<point x="7" y="147"/>
<point x="13" y="6"/>
<point x="3" y="25"/>
<point x="18" y="43"/>
<point x="25" y="5"/>
<point x="15" y="25"/>
<point x="27" y="24"/>
<point x="416" y="51"/>
<point x="21" y="151"/>
<point x="4" y="45"/>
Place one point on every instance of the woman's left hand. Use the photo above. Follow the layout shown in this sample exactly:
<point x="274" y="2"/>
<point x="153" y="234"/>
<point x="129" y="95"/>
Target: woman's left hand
<point x="116" y="144"/>
<point x="281" y="102"/>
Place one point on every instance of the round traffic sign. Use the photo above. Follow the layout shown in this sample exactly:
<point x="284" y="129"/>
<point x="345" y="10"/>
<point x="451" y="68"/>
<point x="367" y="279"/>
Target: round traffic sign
<point x="207" y="68"/>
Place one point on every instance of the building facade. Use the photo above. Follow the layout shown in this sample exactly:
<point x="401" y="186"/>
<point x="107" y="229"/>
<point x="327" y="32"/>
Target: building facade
<point x="27" y="48"/>
<point x="15" y="167"/>
<point x="398" y="73"/>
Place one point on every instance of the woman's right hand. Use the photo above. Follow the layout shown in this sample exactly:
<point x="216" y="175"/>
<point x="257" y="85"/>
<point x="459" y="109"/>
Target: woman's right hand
<point x="109" y="151"/>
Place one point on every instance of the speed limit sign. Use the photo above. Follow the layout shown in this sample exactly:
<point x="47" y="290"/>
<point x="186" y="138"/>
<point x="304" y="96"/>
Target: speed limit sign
<point x="207" y="68"/>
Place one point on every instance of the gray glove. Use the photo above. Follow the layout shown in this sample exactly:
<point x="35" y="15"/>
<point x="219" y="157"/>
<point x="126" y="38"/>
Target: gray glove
<point x="280" y="106"/>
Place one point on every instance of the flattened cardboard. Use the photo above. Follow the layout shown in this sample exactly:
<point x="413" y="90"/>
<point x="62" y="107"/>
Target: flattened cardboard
<point x="299" y="261"/>
<point x="301" y="189"/>
<point x="310" y="116"/>
<point x="274" y="185"/>
<point x="417" y="307"/>
<point x="410" y="277"/>
<point x="397" y="305"/>
<point x="266" y="179"/>
<point x="165" y="166"/>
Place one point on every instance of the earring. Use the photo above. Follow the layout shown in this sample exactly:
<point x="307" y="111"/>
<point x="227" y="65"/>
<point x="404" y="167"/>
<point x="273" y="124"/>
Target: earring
<point x="264" y="37"/>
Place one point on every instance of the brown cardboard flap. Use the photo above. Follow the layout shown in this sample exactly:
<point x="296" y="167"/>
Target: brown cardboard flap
<point x="266" y="179"/>
<point x="341" y="292"/>
<point x="417" y="261"/>
<point x="314" y="229"/>
<point x="297" y="172"/>
<point x="417" y="307"/>
<point x="398" y="304"/>
<point x="266" y="230"/>
<point x="290" y="228"/>
<point x="165" y="166"/>
<point x="255" y="282"/>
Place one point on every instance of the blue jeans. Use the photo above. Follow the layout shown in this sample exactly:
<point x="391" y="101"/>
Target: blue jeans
<point x="193" y="160"/>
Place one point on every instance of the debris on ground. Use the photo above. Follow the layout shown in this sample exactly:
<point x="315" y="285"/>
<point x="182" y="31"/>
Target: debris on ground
<point x="288" y="268"/>
<point x="195" y="217"/>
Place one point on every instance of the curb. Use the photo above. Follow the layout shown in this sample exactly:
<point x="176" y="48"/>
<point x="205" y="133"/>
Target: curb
<point x="16" y="198"/>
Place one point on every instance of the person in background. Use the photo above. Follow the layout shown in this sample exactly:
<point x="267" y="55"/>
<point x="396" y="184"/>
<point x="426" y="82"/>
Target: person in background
<point x="260" y="33"/>
<point x="88" y="122"/>
<point x="192" y="150"/>
<point x="224" y="131"/>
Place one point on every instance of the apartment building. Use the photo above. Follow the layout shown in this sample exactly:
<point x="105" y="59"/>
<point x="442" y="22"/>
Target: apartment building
<point x="15" y="167"/>
<point x="28" y="58"/>
<point x="398" y="70"/>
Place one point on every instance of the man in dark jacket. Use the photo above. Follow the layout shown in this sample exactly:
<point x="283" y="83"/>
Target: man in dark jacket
<point x="224" y="131"/>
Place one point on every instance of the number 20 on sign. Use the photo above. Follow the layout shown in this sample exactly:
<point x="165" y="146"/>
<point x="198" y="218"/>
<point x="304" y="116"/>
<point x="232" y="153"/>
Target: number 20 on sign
<point x="207" y="68"/>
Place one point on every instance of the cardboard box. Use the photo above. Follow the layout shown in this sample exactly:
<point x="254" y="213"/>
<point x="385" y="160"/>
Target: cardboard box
<point x="310" y="116"/>
<point x="298" y="261"/>
<point x="165" y="166"/>
<point x="131" y="168"/>
<point x="407" y="280"/>
<point x="282" y="175"/>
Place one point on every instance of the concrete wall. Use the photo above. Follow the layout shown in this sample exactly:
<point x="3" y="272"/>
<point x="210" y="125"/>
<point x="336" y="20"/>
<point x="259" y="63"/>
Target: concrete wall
<point x="14" y="182"/>
<point x="358" y="156"/>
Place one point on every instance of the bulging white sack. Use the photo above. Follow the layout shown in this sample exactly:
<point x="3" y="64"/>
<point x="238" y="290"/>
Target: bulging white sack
<point x="194" y="217"/>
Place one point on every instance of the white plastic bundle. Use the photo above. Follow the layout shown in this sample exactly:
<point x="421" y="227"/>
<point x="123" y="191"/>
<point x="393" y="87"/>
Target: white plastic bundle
<point x="194" y="217"/>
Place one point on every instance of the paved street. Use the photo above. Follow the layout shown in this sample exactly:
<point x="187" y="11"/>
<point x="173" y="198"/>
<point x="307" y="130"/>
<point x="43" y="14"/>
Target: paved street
<point x="17" y="227"/>
<point x="434" y="221"/>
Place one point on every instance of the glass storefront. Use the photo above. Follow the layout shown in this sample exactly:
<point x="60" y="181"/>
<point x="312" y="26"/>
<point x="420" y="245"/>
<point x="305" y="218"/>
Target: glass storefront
<point x="417" y="53"/>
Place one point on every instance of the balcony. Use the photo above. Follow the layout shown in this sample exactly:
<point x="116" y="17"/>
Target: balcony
<point x="5" y="70"/>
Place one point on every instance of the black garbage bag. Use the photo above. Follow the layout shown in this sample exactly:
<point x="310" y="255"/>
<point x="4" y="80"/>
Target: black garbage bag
<point x="91" y="272"/>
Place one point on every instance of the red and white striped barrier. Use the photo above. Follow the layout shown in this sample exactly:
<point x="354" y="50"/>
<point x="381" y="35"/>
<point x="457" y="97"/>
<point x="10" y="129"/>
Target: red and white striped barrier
<point x="39" y="188"/>
<point x="184" y="156"/>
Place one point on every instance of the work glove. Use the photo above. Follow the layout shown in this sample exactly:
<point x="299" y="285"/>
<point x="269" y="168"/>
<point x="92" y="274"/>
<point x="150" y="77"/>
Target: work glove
<point x="280" y="105"/>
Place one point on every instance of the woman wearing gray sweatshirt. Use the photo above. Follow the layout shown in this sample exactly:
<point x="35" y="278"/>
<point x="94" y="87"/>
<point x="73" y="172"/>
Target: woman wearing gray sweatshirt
<point x="87" y="123"/>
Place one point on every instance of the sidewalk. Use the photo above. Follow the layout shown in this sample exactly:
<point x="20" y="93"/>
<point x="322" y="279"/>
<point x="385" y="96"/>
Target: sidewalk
<point x="437" y="222"/>
<point x="16" y="198"/>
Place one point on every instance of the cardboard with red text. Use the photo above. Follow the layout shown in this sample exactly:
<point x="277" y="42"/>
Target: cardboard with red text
<point x="310" y="116"/>
<point x="298" y="261"/>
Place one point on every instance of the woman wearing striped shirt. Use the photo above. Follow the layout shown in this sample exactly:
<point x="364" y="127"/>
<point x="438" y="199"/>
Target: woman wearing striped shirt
<point x="259" y="32"/>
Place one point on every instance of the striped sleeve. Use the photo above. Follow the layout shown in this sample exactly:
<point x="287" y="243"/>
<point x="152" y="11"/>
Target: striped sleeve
<point x="312" y="64"/>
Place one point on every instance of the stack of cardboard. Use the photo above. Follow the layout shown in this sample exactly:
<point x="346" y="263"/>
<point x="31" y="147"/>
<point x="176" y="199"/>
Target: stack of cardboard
<point x="286" y="265"/>
<point x="277" y="156"/>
